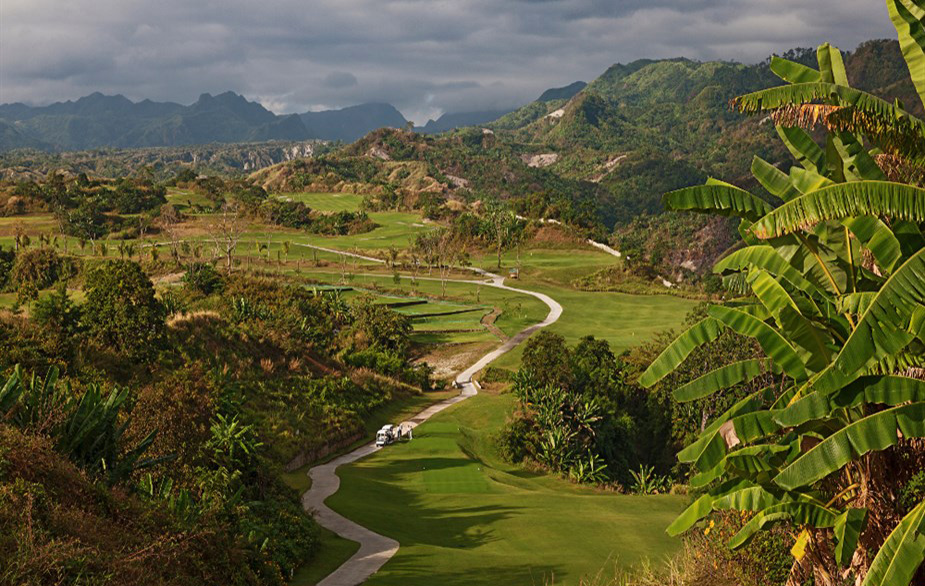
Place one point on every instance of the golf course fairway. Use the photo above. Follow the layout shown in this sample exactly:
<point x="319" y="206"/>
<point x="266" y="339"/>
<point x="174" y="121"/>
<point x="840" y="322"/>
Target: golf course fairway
<point x="463" y="516"/>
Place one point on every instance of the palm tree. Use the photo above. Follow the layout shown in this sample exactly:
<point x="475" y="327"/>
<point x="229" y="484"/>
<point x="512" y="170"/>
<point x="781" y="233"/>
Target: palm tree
<point x="834" y="295"/>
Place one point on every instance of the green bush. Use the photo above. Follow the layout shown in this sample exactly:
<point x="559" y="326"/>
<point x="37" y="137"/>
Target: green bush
<point x="121" y="311"/>
<point x="201" y="277"/>
<point x="39" y="268"/>
<point x="59" y="319"/>
<point x="7" y="260"/>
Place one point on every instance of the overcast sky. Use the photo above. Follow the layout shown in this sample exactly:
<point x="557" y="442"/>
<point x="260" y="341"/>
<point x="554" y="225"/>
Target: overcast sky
<point x="423" y="56"/>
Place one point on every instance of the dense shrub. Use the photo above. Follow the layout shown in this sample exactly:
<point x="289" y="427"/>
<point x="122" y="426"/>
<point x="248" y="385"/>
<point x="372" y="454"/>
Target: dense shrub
<point x="39" y="268"/>
<point x="121" y="311"/>
<point x="84" y="220"/>
<point x="202" y="278"/>
<point x="7" y="259"/>
<point x="379" y="327"/>
<point x="292" y="214"/>
<point x="60" y="321"/>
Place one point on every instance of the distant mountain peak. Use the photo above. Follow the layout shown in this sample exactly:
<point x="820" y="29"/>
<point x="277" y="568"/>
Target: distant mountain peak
<point x="562" y="93"/>
<point x="453" y="120"/>
<point x="350" y="123"/>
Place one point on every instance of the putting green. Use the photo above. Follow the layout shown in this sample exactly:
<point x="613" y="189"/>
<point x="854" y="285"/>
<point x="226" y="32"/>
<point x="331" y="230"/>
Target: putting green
<point x="463" y="516"/>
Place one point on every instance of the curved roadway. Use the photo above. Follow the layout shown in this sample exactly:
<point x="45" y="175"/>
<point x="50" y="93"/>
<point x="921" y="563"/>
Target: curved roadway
<point x="375" y="549"/>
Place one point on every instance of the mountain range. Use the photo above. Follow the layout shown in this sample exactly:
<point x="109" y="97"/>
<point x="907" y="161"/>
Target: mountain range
<point x="615" y="145"/>
<point x="101" y="121"/>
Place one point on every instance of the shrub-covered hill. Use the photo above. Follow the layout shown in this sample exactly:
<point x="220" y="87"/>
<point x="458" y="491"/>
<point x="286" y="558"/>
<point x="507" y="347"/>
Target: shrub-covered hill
<point x="143" y="432"/>
<point x="401" y="168"/>
<point x="161" y="163"/>
<point x="669" y="121"/>
<point x="609" y="150"/>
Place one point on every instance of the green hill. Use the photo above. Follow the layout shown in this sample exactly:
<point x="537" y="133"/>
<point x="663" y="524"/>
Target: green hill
<point x="670" y="122"/>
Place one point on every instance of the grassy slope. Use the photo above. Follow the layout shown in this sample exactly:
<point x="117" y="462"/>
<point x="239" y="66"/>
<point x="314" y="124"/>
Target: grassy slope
<point x="504" y="530"/>
<point x="464" y="517"/>
<point x="333" y="551"/>
<point x="623" y="320"/>
<point x="461" y="515"/>
<point x="326" y="202"/>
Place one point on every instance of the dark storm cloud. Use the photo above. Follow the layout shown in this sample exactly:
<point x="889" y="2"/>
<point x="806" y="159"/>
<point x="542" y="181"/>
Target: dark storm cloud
<point x="340" y="79"/>
<point x="424" y="56"/>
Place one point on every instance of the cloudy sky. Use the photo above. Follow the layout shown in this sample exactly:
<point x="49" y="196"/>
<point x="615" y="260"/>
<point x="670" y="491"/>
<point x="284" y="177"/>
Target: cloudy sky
<point x="423" y="56"/>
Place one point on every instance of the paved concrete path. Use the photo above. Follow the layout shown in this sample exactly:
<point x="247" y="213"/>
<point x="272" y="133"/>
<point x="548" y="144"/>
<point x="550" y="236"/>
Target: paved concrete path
<point x="375" y="550"/>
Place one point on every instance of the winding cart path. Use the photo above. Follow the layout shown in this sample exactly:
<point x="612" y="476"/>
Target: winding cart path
<point x="375" y="549"/>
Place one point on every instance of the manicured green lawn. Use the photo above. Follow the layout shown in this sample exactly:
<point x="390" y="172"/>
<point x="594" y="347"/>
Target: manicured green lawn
<point x="464" y="517"/>
<point x="333" y="552"/>
<point x="553" y="265"/>
<point x="187" y="197"/>
<point x="326" y="202"/>
<point x="621" y="319"/>
<point x="519" y="310"/>
<point x="396" y="229"/>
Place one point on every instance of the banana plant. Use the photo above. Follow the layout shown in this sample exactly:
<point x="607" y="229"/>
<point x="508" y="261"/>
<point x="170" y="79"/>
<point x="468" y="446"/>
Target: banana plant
<point x="832" y="284"/>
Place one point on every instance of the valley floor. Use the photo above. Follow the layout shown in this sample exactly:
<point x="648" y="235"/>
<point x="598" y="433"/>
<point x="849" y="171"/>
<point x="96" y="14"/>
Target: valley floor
<point x="462" y="516"/>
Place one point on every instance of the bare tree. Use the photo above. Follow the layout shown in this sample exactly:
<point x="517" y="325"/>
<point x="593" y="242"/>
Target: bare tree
<point x="226" y="231"/>
<point x="449" y="250"/>
<point x="169" y="221"/>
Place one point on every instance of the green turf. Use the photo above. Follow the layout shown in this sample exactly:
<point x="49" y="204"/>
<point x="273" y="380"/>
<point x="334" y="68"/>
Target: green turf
<point x="621" y="319"/>
<point x="326" y="202"/>
<point x="519" y="310"/>
<point x="464" y="517"/>
<point x="187" y="197"/>
<point x="396" y="229"/>
<point x="333" y="551"/>
<point x="553" y="265"/>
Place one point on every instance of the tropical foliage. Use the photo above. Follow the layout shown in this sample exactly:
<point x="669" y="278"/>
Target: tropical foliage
<point x="831" y="285"/>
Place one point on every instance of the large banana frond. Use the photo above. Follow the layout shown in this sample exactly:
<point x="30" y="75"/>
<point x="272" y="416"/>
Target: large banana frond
<point x="793" y="72"/>
<point x="704" y="505"/>
<point x="857" y="162"/>
<point x="801" y="513"/>
<point x="901" y="554"/>
<point x="831" y="65"/>
<point x="771" y="341"/>
<point x="888" y="325"/>
<point x="803" y="148"/>
<point x="887" y="124"/>
<point x="770" y="292"/>
<point x="873" y="433"/>
<point x="720" y="199"/>
<point x="749" y="404"/>
<point x="721" y="378"/>
<point x="848" y="528"/>
<point x="844" y="200"/>
<point x="706" y="330"/>
<point x="764" y="257"/>
<point x="878" y="239"/>
<point x="773" y="179"/>
<point x="907" y="16"/>
<point x="879" y="389"/>
<point x="742" y="429"/>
